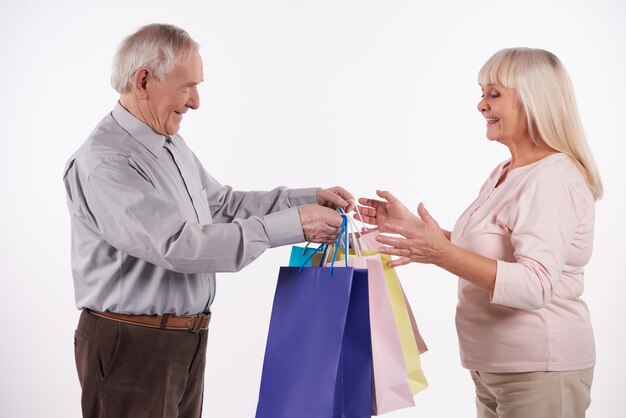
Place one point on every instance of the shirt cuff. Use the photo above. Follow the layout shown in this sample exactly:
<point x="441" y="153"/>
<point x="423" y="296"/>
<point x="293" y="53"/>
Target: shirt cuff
<point x="511" y="289"/>
<point x="299" y="197"/>
<point x="499" y="290"/>
<point x="284" y="227"/>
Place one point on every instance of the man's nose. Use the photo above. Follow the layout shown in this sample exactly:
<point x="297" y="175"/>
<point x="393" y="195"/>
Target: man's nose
<point x="194" y="99"/>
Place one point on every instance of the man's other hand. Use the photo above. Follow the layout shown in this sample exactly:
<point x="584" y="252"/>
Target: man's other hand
<point x="336" y="197"/>
<point x="319" y="224"/>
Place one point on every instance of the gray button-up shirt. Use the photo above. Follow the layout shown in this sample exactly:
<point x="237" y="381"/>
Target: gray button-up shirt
<point x="150" y="227"/>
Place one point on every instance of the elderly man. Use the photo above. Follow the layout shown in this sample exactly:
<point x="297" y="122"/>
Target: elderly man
<point x="150" y="227"/>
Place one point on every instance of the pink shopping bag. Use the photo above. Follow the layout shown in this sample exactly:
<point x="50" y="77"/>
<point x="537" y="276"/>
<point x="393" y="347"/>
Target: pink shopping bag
<point x="390" y="385"/>
<point x="368" y="240"/>
<point x="410" y="339"/>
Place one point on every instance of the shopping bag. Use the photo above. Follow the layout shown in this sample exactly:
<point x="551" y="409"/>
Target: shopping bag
<point x="405" y="327"/>
<point x="318" y="355"/>
<point x="390" y="386"/>
<point x="368" y="240"/>
<point x="390" y="389"/>
<point x="421" y="344"/>
<point x="410" y="339"/>
<point x="304" y="256"/>
<point x="397" y="373"/>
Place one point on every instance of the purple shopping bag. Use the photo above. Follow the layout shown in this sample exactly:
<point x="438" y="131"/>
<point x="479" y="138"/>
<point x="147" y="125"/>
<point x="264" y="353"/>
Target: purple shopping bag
<point x="318" y="359"/>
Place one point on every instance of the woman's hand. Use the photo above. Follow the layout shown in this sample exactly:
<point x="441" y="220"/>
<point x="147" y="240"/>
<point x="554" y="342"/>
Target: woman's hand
<point x="390" y="211"/>
<point x="425" y="242"/>
<point x="422" y="242"/>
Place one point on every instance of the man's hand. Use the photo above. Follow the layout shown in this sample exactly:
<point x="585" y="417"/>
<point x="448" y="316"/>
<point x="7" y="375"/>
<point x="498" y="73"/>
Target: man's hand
<point x="336" y="197"/>
<point x="319" y="224"/>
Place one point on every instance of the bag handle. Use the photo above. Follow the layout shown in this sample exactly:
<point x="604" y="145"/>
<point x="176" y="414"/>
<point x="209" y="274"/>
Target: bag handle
<point x="356" y="243"/>
<point x="343" y="234"/>
<point x="363" y="226"/>
<point x="317" y="250"/>
<point x="349" y="235"/>
<point x="348" y="229"/>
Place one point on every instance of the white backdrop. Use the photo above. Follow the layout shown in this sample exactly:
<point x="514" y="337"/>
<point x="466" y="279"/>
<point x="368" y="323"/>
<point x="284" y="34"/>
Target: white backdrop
<point x="365" y="94"/>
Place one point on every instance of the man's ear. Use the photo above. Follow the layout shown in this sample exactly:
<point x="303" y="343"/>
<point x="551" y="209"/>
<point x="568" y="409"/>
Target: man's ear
<point x="140" y="82"/>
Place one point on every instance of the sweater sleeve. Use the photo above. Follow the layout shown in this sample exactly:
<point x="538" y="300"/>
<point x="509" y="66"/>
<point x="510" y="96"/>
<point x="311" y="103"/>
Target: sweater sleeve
<point x="542" y="222"/>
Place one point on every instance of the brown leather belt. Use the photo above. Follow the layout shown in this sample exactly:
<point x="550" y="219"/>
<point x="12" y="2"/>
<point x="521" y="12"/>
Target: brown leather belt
<point x="191" y="323"/>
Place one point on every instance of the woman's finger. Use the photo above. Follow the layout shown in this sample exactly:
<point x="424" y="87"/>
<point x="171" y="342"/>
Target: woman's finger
<point x="425" y="215"/>
<point x="399" y="262"/>
<point x="400" y="229"/>
<point x="393" y="241"/>
<point x="372" y="203"/>
<point x="388" y="196"/>
<point x="398" y="252"/>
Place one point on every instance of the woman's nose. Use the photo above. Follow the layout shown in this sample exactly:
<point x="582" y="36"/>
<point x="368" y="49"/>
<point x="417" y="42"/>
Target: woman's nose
<point x="482" y="105"/>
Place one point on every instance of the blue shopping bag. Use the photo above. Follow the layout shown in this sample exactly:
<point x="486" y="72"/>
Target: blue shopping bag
<point x="318" y="358"/>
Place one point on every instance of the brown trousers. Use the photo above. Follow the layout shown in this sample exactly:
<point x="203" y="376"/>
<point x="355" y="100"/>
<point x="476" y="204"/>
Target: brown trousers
<point x="139" y="372"/>
<point x="533" y="394"/>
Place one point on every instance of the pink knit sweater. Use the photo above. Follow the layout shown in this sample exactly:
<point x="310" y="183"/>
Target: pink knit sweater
<point x="538" y="225"/>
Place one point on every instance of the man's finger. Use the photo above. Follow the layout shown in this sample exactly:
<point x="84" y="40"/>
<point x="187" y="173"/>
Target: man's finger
<point x="346" y="195"/>
<point x="333" y="219"/>
<point x="335" y="200"/>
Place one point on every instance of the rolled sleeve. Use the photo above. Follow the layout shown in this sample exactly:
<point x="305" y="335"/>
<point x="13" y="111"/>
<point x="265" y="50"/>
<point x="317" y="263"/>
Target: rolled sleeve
<point x="542" y="226"/>
<point x="520" y="286"/>
<point x="284" y="227"/>
<point x="299" y="197"/>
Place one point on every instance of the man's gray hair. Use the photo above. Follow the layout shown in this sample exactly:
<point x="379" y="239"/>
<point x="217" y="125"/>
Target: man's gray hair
<point x="155" y="47"/>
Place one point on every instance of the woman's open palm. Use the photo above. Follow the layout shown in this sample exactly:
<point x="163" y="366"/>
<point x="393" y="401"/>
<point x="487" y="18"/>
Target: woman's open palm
<point x="391" y="210"/>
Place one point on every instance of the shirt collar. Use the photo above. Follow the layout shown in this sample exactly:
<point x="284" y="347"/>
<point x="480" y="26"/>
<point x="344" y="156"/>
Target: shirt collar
<point x="142" y="133"/>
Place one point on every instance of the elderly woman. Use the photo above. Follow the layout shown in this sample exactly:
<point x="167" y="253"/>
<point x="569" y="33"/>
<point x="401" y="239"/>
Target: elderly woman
<point x="520" y="248"/>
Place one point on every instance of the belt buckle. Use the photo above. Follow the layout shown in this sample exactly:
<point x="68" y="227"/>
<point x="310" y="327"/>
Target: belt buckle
<point x="196" y="324"/>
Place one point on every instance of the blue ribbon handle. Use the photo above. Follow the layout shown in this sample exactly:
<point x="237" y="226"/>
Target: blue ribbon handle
<point x="317" y="250"/>
<point x="343" y="233"/>
<point x="346" y="234"/>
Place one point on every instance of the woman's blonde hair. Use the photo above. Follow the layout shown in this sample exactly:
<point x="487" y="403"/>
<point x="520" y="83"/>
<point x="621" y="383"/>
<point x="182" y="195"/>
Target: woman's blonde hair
<point x="546" y="94"/>
<point x="156" y="47"/>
